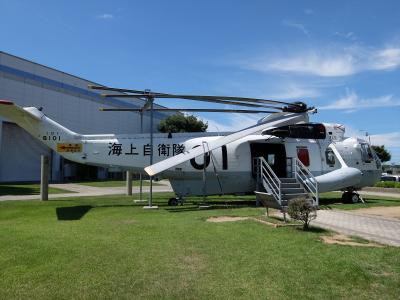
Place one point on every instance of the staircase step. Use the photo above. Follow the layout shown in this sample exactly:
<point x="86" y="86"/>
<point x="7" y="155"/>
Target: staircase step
<point x="288" y="180"/>
<point x="296" y="195"/>
<point x="290" y="185"/>
<point x="293" y="190"/>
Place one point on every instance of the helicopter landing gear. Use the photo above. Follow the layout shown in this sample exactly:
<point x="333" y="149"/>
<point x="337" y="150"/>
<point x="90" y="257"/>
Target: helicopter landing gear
<point x="175" y="201"/>
<point x="351" y="197"/>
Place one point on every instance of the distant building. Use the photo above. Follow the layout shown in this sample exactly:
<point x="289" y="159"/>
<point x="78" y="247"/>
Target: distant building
<point x="392" y="169"/>
<point x="66" y="99"/>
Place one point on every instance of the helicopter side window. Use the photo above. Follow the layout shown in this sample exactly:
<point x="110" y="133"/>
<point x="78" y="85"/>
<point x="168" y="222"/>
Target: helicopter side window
<point x="330" y="157"/>
<point x="303" y="156"/>
<point x="366" y="153"/>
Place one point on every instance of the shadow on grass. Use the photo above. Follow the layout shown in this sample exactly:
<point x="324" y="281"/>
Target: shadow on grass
<point x="314" y="229"/>
<point x="17" y="190"/>
<point x="72" y="213"/>
<point x="330" y="201"/>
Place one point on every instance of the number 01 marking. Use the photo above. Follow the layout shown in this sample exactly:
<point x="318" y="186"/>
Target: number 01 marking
<point x="207" y="160"/>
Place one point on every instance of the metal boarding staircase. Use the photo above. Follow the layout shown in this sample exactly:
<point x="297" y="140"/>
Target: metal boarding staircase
<point x="278" y="191"/>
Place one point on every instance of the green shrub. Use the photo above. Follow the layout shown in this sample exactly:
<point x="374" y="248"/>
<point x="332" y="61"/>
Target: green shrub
<point x="302" y="210"/>
<point x="388" y="184"/>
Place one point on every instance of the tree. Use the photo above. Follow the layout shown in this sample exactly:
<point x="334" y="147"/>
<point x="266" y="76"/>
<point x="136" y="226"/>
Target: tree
<point x="382" y="153"/>
<point x="302" y="210"/>
<point x="182" y="123"/>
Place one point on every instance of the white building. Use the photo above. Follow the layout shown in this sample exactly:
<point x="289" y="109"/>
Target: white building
<point x="66" y="99"/>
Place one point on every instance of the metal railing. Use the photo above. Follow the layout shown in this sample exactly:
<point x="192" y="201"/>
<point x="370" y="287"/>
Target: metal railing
<point x="270" y="180"/>
<point x="307" y="180"/>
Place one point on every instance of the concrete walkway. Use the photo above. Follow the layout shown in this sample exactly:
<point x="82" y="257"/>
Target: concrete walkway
<point x="374" y="228"/>
<point x="79" y="190"/>
<point x="379" y="194"/>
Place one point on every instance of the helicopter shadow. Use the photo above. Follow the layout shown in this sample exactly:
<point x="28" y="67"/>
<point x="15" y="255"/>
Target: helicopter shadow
<point x="74" y="213"/>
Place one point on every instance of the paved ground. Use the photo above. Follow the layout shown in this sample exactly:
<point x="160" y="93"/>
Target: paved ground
<point x="83" y="190"/>
<point x="375" y="228"/>
<point x="379" y="194"/>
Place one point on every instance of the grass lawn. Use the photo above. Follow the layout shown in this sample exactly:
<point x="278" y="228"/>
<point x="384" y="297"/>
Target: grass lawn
<point x="26" y="189"/>
<point x="333" y="200"/>
<point x="114" y="183"/>
<point x="106" y="247"/>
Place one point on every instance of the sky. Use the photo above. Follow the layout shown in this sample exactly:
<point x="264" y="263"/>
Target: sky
<point x="343" y="57"/>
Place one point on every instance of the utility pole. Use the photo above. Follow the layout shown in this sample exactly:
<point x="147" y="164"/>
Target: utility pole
<point x="151" y="101"/>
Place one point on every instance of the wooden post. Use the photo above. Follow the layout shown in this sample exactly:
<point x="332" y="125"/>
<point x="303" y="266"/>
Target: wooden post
<point x="128" y="183"/>
<point x="44" y="177"/>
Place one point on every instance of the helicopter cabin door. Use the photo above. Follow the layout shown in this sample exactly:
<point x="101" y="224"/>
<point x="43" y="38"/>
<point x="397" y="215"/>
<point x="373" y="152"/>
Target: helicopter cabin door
<point x="274" y="154"/>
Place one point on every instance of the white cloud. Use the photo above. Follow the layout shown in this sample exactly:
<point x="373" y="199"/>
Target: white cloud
<point x="297" y="26"/>
<point x="329" y="62"/>
<point x="232" y="122"/>
<point x="390" y="140"/>
<point x="292" y="91"/>
<point x="105" y="16"/>
<point x="386" y="59"/>
<point x="352" y="102"/>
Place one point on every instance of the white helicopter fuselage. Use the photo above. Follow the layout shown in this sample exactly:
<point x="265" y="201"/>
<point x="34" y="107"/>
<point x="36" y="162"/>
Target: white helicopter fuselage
<point x="229" y="169"/>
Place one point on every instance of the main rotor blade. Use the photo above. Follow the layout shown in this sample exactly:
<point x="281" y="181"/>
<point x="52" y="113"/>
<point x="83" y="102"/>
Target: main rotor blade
<point x="202" y="98"/>
<point x="141" y="96"/>
<point x="244" y="111"/>
<point x="105" y="88"/>
<point x="274" y="120"/>
<point x="191" y="97"/>
<point x="232" y="98"/>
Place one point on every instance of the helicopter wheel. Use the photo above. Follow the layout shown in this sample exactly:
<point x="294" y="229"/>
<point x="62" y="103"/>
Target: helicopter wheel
<point x="354" y="198"/>
<point x="173" y="202"/>
<point x="350" y="197"/>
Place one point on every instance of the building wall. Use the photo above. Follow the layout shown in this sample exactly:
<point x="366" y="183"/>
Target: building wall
<point x="64" y="98"/>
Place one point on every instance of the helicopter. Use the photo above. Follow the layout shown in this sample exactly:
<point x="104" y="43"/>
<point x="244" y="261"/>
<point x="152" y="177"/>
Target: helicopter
<point x="283" y="154"/>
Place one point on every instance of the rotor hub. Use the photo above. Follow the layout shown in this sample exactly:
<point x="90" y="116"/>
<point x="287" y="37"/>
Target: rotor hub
<point x="296" y="107"/>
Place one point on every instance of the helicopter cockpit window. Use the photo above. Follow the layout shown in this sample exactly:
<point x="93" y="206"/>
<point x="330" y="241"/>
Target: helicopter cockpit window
<point x="366" y="153"/>
<point x="330" y="157"/>
<point x="377" y="160"/>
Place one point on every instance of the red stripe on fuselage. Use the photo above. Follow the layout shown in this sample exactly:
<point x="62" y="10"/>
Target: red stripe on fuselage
<point x="5" y="102"/>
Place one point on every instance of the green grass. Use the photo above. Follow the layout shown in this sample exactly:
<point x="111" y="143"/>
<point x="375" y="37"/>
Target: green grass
<point x="16" y="189"/>
<point x="333" y="200"/>
<point x="388" y="184"/>
<point x="114" y="183"/>
<point x="105" y="247"/>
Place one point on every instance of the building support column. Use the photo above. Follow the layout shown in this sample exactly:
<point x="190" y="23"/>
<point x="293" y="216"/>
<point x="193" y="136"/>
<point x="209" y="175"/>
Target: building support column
<point x="44" y="177"/>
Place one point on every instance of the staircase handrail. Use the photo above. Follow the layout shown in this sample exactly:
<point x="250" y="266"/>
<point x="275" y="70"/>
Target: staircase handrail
<point x="270" y="180"/>
<point x="307" y="179"/>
